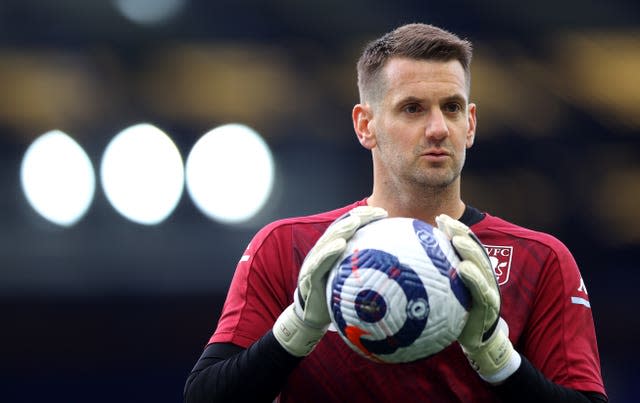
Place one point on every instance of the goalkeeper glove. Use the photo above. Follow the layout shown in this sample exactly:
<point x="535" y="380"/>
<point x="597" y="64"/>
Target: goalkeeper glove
<point x="301" y="326"/>
<point x="484" y="339"/>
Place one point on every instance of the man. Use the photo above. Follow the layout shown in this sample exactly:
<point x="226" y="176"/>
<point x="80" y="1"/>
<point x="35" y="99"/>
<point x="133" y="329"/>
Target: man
<point x="414" y="115"/>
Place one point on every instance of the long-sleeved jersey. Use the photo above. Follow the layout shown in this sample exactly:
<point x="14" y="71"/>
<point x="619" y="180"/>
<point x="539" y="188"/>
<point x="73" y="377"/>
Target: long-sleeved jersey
<point x="544" y="302"/>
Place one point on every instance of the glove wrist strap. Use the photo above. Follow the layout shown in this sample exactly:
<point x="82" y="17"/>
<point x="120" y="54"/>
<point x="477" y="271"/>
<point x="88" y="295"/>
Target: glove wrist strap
<point x="511" y="366"/>
<point x="295" y="336"/>
<point x="495" y="360"/>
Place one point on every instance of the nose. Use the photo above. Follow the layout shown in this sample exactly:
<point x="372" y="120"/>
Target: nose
<point x="436" y="128"/>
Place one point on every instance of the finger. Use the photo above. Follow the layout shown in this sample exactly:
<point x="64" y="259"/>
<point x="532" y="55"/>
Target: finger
<point x="345" y="228"/>
<point x="474" y="280"/>
<point x="358" y="217"/>
<point x="468" y="249"/>
<point x="450" y="226"/>
<point x="328" y="251"/>
<point x="368" y="213"/>
<point x="482" y="291"/>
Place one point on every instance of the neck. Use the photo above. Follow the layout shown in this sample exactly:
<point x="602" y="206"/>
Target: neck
<point x="424" y="204"/>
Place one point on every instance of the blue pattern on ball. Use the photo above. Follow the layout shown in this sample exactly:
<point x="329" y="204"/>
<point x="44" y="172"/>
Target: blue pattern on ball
<point x="404" y="276"/>
<point x="429" y="243"/>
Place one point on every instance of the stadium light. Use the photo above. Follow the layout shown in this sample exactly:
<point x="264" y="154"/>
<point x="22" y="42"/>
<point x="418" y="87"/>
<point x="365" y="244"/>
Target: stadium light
<point x="57" y="178"/>
<point x="230" y="173"/>
<point x="142" y="174"/>
<point x="148" y="12"/>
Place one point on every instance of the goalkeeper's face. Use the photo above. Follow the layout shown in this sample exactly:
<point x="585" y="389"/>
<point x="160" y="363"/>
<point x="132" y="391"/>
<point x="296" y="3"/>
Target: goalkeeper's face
<point x="422" y="124"/>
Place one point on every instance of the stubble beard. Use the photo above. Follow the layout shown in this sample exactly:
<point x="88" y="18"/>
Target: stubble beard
<point x="434" y="179"/>
<point x="421" y="175"/>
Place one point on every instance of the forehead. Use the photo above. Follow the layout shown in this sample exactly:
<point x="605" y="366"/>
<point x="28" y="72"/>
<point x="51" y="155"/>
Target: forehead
<point x="424" y="78"/>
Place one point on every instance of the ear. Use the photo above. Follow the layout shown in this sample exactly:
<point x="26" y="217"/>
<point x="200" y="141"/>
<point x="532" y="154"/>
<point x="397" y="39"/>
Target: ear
<point x="471" y="129"/>
<point x="362" y="116"/>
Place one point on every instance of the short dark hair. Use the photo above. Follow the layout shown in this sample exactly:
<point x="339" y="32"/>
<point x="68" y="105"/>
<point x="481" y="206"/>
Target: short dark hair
<point x="414" y="41"/>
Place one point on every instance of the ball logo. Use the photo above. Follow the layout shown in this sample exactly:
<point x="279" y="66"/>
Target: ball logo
<point x="418" y="309"/>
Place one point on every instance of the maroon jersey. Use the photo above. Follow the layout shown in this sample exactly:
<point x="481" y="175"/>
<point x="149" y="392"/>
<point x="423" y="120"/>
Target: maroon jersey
<point x="544" y="301"/>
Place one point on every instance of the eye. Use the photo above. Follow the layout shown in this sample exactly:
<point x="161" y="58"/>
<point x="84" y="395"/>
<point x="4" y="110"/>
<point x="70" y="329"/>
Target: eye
<point x="453" y="107"/>
<point x="412" y="108"/>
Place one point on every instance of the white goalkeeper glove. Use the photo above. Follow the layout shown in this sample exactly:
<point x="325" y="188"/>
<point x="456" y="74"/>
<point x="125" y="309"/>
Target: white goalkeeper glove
<point x="301" y="326"/>
<point x="485" y="337"/>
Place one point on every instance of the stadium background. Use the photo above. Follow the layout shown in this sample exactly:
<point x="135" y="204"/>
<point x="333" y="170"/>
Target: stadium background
<point x="112" y="311"/>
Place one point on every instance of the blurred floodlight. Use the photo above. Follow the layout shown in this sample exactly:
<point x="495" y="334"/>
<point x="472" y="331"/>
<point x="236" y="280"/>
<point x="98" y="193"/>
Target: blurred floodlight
<point x="142" y="174"/>
<point x="230" y="173"/>
<point x="58" y="178"/>
<point x="149" y="11"/>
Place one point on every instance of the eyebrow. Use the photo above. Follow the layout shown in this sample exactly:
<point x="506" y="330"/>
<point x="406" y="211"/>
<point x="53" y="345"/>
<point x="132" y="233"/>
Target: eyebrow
<point x="451" y="98"/>
<point x="456" y="98"/>
<point x="408" y="100"/>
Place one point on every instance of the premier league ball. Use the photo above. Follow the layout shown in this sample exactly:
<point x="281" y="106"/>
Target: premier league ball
<point x="394" y="295"/>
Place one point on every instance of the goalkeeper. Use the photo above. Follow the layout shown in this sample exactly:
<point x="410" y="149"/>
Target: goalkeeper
<point x="530" y="334"/>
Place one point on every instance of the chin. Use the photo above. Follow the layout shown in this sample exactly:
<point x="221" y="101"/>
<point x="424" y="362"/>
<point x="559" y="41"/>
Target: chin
<point x="437" y="182"/>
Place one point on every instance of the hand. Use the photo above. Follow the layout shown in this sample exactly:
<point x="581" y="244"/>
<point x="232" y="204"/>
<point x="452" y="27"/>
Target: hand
<point x="484" y="338"/>
<point x="301" y="326"/>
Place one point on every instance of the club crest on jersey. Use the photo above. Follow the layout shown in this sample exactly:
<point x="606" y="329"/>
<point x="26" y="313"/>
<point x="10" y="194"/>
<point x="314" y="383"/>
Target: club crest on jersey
<point x="500" y="257"/>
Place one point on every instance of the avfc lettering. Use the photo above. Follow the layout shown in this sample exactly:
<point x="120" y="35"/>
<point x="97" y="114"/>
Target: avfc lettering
<point x="500" y="257"/>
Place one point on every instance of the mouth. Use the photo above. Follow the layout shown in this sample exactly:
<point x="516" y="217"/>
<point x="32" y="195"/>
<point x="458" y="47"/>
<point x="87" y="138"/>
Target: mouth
<point x="436" y="154"/>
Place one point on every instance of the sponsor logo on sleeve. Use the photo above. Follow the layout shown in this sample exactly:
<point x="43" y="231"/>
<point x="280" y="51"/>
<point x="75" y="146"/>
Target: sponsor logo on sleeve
<point x="500" y="257"/>
<point x="246" y="256"/>
<point x="581" y="300"/>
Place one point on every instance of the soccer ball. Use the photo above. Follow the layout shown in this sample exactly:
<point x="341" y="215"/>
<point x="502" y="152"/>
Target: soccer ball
<point x="394" y="295"/>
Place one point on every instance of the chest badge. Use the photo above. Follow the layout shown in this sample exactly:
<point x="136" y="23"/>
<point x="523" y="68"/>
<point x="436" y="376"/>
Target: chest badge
<point x="500" y="257"/>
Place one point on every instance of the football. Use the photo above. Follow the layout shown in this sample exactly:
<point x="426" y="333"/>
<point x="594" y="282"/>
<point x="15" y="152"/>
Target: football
<point x="394" y="295"/>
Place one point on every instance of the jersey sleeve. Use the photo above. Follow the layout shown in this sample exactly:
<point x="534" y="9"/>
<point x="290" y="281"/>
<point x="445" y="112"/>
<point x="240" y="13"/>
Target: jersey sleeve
<point x="267" y="274"/>
<point x="260" y="289"/>
<point x="561" y="339"/>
